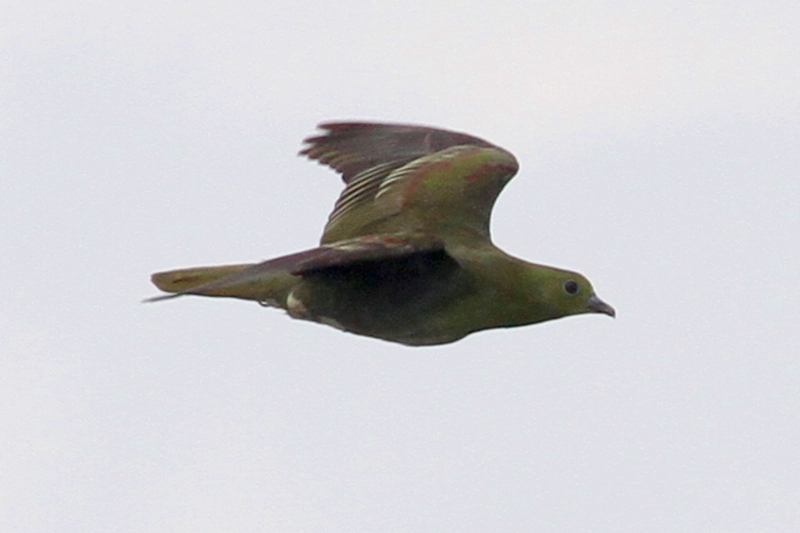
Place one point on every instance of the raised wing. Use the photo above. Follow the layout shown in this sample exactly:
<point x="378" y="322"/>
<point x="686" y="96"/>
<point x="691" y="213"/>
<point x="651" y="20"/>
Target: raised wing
<point x="410" y="179"/>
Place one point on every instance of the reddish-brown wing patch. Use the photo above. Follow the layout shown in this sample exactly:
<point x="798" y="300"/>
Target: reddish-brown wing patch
<point x="363" y="250"/>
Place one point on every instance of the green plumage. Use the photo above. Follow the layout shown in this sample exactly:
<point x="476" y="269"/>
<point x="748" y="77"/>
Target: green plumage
<point x="406" y="255"/>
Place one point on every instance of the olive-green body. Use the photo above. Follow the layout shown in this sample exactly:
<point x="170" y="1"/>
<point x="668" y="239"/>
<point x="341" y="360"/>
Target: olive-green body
<point x="406" y="255"/>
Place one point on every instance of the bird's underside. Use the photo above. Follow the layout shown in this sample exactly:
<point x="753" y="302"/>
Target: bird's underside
<point x="397" y="299"/>
<point x="406" y="254"/>
<point x="397" y="288"/>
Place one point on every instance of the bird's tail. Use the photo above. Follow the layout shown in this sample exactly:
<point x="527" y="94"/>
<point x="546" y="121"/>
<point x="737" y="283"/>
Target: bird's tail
<point x="244" y="281"/>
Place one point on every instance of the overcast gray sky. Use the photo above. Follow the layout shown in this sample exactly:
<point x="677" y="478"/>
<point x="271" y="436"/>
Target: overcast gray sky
<point x="660" y="153"/>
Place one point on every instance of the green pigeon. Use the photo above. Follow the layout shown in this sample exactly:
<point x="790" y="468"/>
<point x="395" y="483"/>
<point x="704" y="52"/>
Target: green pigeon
<point x="406" y="256"/>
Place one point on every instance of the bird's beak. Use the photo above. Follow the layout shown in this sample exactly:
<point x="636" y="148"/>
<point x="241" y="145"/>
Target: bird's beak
<point x="596" y="305"/>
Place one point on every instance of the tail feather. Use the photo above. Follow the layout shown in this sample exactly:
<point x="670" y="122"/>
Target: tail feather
<point x="232" y="281"/>
<point x="188" y="278"/>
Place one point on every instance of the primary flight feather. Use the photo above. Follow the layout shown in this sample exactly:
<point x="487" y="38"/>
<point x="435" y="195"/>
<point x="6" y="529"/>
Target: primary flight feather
<point x="406" y="255"/>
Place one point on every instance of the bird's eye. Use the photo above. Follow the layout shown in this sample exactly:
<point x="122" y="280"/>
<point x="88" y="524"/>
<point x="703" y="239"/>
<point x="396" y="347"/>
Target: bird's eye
<point x="571" y="286"/>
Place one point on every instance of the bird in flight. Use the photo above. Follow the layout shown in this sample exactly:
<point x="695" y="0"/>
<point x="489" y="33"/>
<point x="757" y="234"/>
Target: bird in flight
<point x="406" y="255"/>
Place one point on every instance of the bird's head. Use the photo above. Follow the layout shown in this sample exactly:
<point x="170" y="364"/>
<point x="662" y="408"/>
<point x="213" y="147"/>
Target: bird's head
<point x="568" y="293"/>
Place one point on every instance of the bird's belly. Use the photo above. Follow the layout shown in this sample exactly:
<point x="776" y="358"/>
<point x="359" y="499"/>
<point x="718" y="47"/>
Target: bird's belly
<point x="402" y="311"/>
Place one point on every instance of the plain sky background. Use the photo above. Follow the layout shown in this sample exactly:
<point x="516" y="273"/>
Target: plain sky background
<point x="660" y="153"/>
